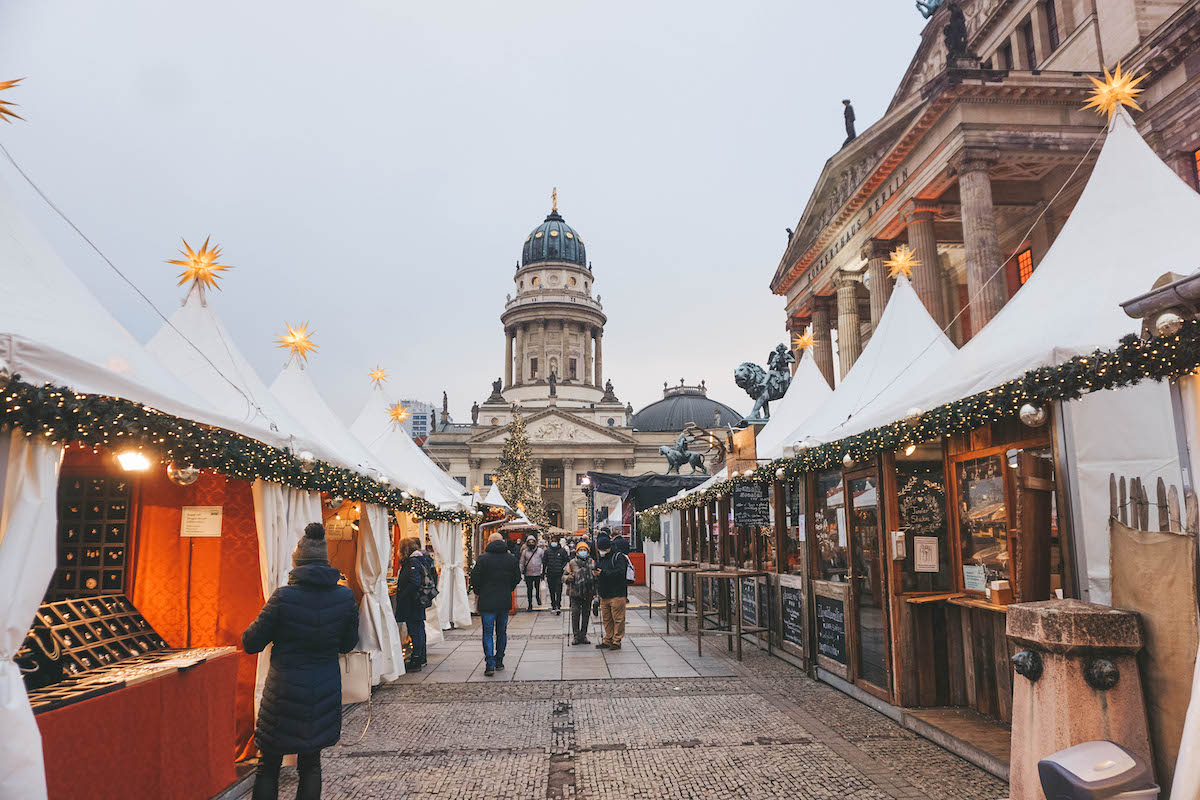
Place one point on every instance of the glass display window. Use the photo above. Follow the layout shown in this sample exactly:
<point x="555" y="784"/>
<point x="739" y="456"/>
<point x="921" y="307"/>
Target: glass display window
<point x="829" y="526"/>
<point x="794" y="540"/>
<point x="982" y="520"/>
<point x="928" y="564"/>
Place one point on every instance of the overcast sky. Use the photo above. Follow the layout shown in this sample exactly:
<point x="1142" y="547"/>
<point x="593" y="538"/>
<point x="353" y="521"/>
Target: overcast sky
<point x="374" y="167"/>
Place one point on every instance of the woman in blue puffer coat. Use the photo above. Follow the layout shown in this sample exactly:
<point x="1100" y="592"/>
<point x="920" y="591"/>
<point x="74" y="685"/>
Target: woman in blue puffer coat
<point x="309" y="622"/>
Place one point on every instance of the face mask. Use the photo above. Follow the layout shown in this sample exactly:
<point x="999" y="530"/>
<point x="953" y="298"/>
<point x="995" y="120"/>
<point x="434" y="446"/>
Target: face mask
<point x="554" y="544"/>
<point x="582" y="555"/>
<point x="603" y="552"/>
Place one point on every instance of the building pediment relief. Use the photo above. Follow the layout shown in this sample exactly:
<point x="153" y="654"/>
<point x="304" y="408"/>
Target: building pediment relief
<point x="552" y="427"/>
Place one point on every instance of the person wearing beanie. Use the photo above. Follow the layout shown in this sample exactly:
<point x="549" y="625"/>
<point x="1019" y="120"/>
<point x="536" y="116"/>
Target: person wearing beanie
<point x="554" y="561"/>
<point x="532" y="555"/>
<point x="408" y="607"/>
<point x="611" y="570"/>
<point x="309" y="622"/>
<point x="493" y="579"/>
<point x="580" y="581"/>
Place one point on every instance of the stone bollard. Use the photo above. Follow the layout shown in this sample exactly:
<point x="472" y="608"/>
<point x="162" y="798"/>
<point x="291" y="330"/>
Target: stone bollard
<point x="1077" y="681"/>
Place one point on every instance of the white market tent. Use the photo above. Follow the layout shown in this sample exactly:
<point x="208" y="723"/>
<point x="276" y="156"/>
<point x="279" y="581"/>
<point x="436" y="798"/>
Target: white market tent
<point x="805" y="394"/>
<point x="494" y="498"/>
<point x="906" y="350"/>
<point x="379" y="634"/>
<point x="397" y="453"/>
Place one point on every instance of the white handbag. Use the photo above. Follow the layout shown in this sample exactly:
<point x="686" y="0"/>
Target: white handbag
<point x="356" y="676"/>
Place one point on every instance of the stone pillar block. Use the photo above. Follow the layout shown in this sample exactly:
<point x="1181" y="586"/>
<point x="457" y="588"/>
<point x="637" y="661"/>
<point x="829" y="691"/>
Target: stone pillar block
<point x="927" y="274"/>
<point x="987" y="288"/>
<point x="822" y="338"/>
<point x="849" y="333"/>
<point x="1077" y="680"/>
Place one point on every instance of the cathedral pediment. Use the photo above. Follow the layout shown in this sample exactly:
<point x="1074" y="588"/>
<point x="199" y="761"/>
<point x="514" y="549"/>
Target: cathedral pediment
<point x="554" y="427"/>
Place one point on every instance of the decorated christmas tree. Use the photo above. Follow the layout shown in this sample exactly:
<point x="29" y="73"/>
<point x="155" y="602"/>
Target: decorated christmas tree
<point x="516" y="477"/>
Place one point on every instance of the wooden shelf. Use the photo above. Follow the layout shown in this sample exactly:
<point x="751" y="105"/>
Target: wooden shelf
<point x="932" y="598"/>
<point x="975" y="602"/>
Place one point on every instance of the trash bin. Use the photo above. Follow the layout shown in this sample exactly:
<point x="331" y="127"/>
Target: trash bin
<point x="1096" y="770"/>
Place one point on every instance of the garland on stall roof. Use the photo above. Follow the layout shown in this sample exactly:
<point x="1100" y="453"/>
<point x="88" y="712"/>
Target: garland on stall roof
<point x="1131" y="362"/>
<point x="62" y="415"/>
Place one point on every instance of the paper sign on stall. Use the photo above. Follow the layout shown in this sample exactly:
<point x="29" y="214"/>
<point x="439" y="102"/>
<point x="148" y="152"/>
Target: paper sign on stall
<point x="974" y="578"/>
<point x="925" y="554"/>
<point x="201" y="521"/>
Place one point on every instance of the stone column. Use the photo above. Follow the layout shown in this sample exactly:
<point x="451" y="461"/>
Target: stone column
<point x="985" y="286"/>
<point x="519" y="336"/>
<point x="543" y="370"/>
<point x="849" y="341"/>
<point x="953" y="320"/>
<point x="508" y="358"/>
<point x="586" y="335"/>
<point x="822" y="339"/>
<point x="600" y="357"/>
<point x="876" y="251"/>
<point x="927" y="276"/>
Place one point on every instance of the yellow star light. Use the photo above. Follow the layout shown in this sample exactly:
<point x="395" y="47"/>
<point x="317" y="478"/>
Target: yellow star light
<point x="6" y="105"/>
<point x="902" y="262"/>
<point x="297" y="339"/>
<point x="802" y="341"/>
<point x="1114" y="91"/>
<point x="398" y="413"/>
<point x="199" y="266"/>
<point x="378" y="375"/>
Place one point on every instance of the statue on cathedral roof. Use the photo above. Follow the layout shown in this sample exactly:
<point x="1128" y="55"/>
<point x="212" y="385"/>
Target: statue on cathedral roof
<point x="928" y="7"/>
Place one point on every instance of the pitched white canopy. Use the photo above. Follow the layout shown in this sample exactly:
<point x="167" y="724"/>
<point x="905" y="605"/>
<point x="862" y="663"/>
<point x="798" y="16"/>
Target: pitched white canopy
<point x="198" y="349"/>
<point x="494" y="498"/>
<point x="806" y="393"/>
<point x="54" y="330"/>
<point x="906" y="350"/>
<point x="1134" y="221"/>
<point x="295" y="391"/>
<point x="406" y="463"/>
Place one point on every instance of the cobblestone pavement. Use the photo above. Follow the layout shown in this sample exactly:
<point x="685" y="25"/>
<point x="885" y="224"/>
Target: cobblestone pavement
<point x="652" y="720"/>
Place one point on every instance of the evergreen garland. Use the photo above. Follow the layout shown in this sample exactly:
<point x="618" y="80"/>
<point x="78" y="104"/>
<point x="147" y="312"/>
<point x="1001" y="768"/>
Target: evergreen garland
<point x="1131" y="362"/>
<point x="515" y="476"/>
<point x="63" y="416"/>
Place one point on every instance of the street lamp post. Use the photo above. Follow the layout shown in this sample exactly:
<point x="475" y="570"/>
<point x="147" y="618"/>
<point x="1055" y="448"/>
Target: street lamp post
<point x="589" y="509"/>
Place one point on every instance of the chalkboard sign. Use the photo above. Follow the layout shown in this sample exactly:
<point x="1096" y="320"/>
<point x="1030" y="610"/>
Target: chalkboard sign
<point x="752" y="504"/>
<point x="749" y="607"/>
<point x="831" y="629"/>
<point x="792" y="601"/>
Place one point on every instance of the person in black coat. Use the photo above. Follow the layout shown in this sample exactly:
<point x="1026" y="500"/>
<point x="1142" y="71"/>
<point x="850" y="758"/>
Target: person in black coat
<point x="554" y="561"/>
<point x="493" y="579"/>
<point x="309" y="622"/>
<point x="408" y="607"/>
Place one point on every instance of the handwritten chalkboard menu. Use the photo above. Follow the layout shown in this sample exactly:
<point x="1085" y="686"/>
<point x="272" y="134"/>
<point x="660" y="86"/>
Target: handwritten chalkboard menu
<point x="749" y="607"/>
<point x="831" y="629"/>
<point x="792" y="603"/>
<point x="752" y="504"/>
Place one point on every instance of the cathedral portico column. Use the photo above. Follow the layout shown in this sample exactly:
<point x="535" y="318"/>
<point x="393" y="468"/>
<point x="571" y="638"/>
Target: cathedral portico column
<point x="849" y="341"/>
<point x="586" y="337"/>
<point x="985" y="287"/>
<point x="822" y="338"/>
<point x="543" y="369"/>
<point x="876" y="251"/>
<point x="927" y="275"/>
<point x="508" y="357"/>
<point x="520" y="339"/>
<point x="599" y="357"/>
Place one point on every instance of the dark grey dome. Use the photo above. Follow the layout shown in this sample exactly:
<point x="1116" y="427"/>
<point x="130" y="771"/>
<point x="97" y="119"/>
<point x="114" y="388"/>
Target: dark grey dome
<point x="553" y="240"/>
<point x="681" y="405"/>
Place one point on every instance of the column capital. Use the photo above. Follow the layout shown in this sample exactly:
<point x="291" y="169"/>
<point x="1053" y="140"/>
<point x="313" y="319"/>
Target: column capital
<point x="920" y="210"/>
<point x="844" y="279"/>
<point x="475" y="463"/>
<point x="877" y="248"/>
<point x="630" y="463"/>
<point x="599" y="464"/>
<point x="974" y="159"/>
<point x="568" y="465"/>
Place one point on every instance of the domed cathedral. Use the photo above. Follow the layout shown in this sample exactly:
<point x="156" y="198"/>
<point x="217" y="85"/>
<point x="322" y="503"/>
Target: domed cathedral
<point x="554" y="373"/>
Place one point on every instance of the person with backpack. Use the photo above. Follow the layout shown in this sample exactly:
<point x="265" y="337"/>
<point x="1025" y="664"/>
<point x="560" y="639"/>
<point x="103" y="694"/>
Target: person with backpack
<point x="493" y="579"/>
<point x="554" y="562"/>
<point x="531" y="569"/>
<point x="612" y="573"/>
<point x="580" y="581"/>
<point x="411" y="593"/>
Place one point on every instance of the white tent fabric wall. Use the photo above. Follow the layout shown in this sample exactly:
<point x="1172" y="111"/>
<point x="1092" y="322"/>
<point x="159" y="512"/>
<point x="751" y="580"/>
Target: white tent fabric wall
<point x="451" y="603"/>
<point x="906" y="350"/>
<point x="280" y="514"/>
<point x="433" y="622"/>
<point x="28" y="552"/>
<point x="1129" y="433"/>
<point x="378" y="633"/>
<point x="1186" y="783"/>
<point x="1134" y="221"/>
<point x="805" y="394"/>
<point x="249" y="400"/>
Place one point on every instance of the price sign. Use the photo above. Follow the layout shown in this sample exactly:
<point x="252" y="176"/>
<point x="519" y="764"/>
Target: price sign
<point x="201" y="521"/>
<point x="749" y="607"/>
<point x="792" y="602"/>
<point x="831" y="629"/>
<point x="752" y="505"/>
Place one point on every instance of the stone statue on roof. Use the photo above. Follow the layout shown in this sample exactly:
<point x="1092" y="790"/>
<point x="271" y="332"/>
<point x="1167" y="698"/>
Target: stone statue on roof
<point x="928" y="7"/>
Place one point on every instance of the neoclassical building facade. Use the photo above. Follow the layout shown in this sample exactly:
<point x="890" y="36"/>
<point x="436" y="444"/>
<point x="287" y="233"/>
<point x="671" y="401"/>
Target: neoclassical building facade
<point x="553" y="371"/>
<point x="979" y="160"/>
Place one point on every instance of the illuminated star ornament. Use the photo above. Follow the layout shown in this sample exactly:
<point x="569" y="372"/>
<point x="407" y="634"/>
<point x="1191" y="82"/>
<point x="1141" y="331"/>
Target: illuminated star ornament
<point x="902" y="262"/>
<point x="802" y="341"/>
<point x="297" y="339"/>
<point x="398" y="413"/>
<point x="1114" y="91"/>
<point x="6" y="106"/>
<point x="200" y="266"/>
<point x="378" y="375"/>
